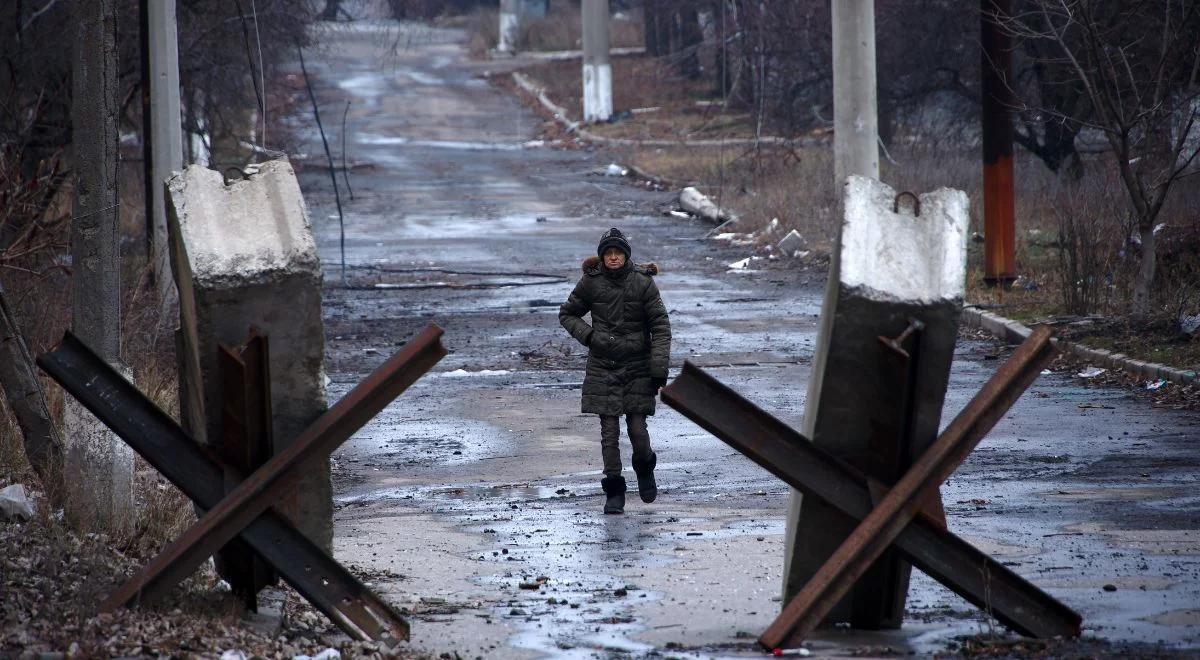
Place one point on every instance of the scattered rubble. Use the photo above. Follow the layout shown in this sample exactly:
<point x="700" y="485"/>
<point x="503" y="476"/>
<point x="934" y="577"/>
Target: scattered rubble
<point x="52" y="579"/>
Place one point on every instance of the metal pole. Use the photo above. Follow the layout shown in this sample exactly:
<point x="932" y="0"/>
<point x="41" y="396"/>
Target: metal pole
<point x="165" y="127"/>
<point x="597" y="71"/>
<point x="999" y="223"/>
<point x="95" y="256"/>
<point x="855" y="119"/>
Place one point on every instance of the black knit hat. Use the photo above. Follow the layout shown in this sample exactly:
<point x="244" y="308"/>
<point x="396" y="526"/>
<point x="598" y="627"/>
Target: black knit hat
<point x="614" y="238"/>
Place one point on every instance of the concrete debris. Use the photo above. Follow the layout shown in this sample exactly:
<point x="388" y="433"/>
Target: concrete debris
<point x="15" y="504"/>
<point x="734" y="238"/>
<point x="614" y="170"/>
<point x="698" y="204"/>
<point x="327" y="654"/>
<point x="1190" y="325"/>
<point x="791" y="243"/>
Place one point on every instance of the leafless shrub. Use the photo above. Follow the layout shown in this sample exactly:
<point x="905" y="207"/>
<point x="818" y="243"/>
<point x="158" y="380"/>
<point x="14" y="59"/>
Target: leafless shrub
<point x="1087" y="235"/>
<point x="483" y="28"/>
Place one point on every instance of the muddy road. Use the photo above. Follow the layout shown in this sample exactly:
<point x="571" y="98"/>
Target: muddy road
<point x="474" y="500"/>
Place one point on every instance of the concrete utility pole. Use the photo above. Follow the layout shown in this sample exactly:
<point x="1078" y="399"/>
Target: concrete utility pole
<point x="513" y="13"/>
<point x="855" y="116"/>
<point x="510" y="25"/>
<point x="166" y="130"/>
<point x="999" y="221"/>
<point x="597" y="72"/>
<point x="855" y="152"/>
<point x="94" y="452"/>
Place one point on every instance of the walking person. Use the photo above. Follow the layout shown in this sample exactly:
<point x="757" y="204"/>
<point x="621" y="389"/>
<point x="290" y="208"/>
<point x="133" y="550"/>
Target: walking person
<point x="629" y="346"/>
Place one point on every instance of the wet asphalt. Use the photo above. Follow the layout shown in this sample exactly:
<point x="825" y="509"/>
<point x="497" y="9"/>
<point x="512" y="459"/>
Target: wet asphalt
<point x="473" y="502"/>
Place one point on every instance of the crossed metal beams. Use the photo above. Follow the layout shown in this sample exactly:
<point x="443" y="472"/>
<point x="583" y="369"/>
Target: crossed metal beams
<point x="247" y="511"/>
<point x="897" y="515"/>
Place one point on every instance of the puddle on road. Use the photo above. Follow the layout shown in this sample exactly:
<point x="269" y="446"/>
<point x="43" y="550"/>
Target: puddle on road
<point x="578" y="610"/>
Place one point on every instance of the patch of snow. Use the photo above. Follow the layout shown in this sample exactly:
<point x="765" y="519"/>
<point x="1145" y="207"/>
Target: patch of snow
<point x="463" y="373"/>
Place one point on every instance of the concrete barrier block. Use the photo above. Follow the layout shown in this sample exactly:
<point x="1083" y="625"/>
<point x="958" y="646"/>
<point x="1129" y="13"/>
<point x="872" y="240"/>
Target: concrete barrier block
<point x="244" y="255"/>
<point x="891" y="266"/>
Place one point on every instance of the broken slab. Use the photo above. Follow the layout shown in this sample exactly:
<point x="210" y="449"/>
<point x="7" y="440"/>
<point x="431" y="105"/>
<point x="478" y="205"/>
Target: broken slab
<point x="790" y="244"/>
<point x="894" y="262"/>
<point x="244" y="256"/>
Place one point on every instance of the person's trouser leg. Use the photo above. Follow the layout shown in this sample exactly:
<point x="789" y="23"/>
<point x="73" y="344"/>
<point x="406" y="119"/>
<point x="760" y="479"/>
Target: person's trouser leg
<point x="612" y="483"/>
<point x="639" y="436"/>
<point x="610" y="447"/>
<point x="644" y="458"/>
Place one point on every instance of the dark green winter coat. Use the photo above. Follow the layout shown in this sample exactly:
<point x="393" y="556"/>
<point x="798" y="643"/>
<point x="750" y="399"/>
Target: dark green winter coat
<point x="629" y="340"/>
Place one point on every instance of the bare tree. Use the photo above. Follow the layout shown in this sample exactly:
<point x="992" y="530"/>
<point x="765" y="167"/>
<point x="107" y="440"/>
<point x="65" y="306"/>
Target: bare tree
<point x="1138" y="64"/>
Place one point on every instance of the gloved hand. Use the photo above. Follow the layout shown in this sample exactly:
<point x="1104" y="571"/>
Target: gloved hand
<point x="658" y="384"/>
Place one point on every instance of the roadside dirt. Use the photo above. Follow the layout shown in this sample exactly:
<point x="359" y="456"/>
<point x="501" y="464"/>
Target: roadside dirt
<point x="475" y="497"/>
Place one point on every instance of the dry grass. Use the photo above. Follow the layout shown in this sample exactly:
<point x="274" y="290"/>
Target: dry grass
<point x="39" y="291"/>
<point x="650" y="99"/>
<point x="1057" y="219"/>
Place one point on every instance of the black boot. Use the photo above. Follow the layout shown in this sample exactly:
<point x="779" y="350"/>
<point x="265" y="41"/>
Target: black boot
<point x="647" y="488"/>
<point x="614" y="488"/>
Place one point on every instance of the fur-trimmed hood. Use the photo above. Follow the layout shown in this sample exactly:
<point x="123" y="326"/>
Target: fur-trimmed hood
<point x="591" y="266"/>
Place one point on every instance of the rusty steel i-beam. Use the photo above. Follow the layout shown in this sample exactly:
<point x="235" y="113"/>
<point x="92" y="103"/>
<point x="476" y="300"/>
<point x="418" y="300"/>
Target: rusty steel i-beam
<point x="925" y="541"/>
<point x="891" y="515"/>
<point x="246" y="443"/>
<point x="199" y="475"/>
<point x="278" y="476"/>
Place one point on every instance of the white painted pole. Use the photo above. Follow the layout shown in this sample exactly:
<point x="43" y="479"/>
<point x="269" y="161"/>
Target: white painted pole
<point x="597" y="71"/>
<point x="166" y="128"/>
<point x="510" y="25"/>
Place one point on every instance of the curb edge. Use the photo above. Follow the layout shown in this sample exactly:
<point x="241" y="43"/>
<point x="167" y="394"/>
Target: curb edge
<point x="1012" y="332"/>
